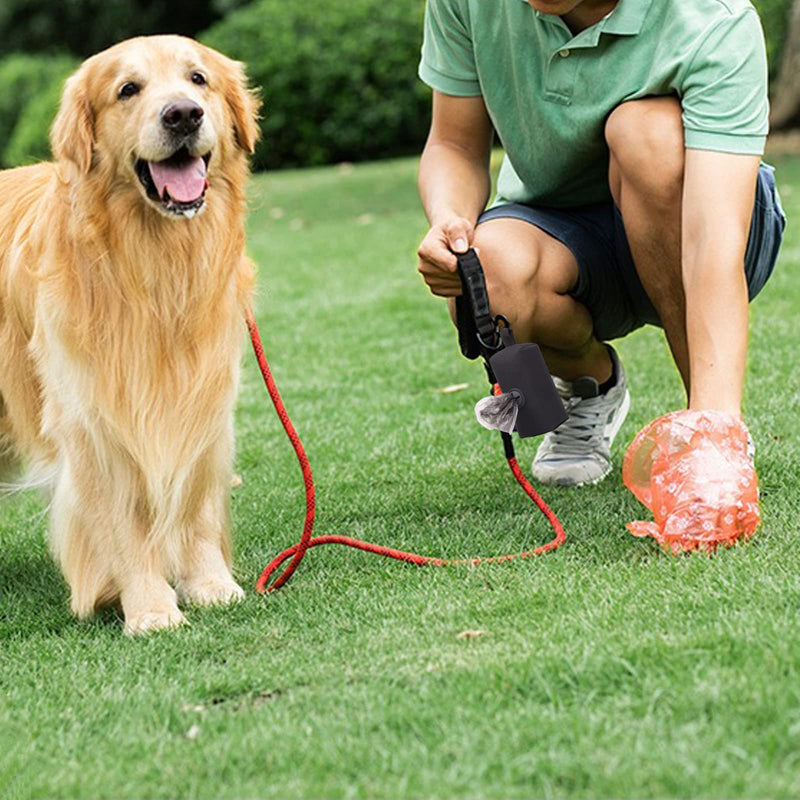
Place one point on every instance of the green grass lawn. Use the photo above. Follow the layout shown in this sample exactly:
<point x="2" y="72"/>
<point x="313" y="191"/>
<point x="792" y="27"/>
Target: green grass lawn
<point x="606" y="669"/>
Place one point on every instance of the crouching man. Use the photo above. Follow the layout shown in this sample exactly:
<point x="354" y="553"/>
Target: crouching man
<point x="632" y="191"/>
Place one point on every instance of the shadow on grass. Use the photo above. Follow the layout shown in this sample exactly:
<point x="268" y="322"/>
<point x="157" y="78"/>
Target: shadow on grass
<point x="33" y="596"/>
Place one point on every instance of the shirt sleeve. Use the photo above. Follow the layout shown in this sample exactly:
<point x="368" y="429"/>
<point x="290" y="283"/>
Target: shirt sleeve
<point x="724" y="88"/>
<point x="448" y="59"/>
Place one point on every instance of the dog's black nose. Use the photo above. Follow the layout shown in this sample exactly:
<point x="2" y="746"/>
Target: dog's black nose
<point x="182" y="117"/>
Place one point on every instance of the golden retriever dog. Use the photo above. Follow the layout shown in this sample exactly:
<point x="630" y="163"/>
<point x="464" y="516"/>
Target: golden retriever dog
<point x="123" y="285"/>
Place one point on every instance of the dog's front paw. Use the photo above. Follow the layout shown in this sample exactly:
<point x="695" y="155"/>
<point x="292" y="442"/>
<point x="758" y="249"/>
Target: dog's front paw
<point x="149" y="621"/>
<point x="211" y="591"/>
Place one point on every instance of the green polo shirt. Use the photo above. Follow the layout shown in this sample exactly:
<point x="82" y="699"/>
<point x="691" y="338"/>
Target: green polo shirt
<point x="549" y="93"/>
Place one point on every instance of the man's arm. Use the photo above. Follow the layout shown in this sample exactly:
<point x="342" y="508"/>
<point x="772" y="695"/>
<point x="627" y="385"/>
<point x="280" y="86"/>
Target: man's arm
<point x="454" y="185"/>
<point x="718" y="195"/>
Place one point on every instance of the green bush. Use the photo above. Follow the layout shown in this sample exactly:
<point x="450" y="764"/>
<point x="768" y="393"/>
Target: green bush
<point x="85" y="26"/>
<point x="30" y="141"/>
<point x="339" y="79"/>
<point x="31" y="88"/>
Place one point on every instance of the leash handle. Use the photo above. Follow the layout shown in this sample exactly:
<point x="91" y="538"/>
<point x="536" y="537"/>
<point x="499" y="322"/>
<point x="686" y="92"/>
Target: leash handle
<point x="477" y="328"/>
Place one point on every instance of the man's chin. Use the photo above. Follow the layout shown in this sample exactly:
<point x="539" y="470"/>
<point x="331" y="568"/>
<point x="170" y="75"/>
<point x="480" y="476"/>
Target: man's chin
<point x="556" y="7"/>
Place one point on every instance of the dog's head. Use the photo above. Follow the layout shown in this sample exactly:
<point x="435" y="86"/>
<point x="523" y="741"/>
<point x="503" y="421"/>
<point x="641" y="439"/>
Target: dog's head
<point x="159" y="114"/>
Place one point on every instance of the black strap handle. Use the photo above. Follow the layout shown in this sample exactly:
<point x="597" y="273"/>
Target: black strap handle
<point x="477" y="332"/>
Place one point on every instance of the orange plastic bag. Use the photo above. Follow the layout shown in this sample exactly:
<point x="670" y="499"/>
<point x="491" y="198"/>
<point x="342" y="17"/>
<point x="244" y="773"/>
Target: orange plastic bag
<point x="691" y="469"/>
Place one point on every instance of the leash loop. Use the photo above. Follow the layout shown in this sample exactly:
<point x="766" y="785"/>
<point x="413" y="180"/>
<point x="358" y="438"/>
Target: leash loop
<point x="297" y="551"/>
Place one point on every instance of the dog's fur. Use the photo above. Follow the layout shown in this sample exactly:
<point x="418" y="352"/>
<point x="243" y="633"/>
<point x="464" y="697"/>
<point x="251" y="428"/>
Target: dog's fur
<point x="121" y="331"/>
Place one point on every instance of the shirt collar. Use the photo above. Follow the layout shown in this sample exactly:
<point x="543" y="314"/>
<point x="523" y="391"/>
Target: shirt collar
<point x="627" y="19"/>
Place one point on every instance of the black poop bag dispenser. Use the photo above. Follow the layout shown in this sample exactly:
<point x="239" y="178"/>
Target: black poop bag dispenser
<point x="519" y="369"/>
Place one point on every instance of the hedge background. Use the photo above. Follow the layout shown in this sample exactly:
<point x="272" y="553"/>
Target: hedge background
<point x="338" y="76"/>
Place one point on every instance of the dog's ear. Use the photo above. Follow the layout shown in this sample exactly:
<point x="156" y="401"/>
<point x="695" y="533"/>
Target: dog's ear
<point x="72" y="134"/>
<point x="244" y="104"/>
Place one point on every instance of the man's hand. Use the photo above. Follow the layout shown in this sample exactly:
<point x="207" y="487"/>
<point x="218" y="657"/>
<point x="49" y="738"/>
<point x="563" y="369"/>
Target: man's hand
<point x="692" y="470"/>
<point x="437" y="260"/>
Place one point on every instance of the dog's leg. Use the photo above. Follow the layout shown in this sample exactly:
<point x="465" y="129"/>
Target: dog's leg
<point x="91" y="584"/>
<point x="100" y="539"/>
<point x="149" y="603"/>
<point x="206" y="577"/>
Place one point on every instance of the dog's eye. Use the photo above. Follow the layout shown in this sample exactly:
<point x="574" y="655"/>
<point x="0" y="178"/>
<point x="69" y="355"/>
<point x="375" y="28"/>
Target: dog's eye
<point x="199" y="78"/>
<point x="128" y="90"/>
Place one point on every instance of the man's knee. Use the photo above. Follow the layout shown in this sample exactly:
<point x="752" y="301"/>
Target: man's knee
<point x="646" y="145"/>
<point x="511" y="271"/>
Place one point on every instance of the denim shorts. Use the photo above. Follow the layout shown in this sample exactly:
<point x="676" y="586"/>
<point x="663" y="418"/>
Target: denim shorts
<point x="608" y="284"/>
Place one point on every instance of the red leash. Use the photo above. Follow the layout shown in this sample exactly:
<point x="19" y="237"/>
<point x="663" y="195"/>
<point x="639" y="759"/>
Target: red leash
<point x="297" y="551"/>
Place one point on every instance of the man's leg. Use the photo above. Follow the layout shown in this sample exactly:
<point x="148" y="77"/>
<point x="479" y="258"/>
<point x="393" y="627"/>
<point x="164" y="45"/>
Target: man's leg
<point x="645" y="140"/>
<point x="529" y="275"/>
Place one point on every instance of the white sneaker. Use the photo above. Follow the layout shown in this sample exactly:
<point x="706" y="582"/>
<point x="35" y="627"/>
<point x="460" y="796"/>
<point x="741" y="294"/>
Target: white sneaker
<point x="578" y="452"/>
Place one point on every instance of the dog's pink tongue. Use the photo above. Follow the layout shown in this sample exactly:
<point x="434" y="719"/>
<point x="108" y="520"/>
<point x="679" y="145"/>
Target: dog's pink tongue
<point x="185" y="183"/>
